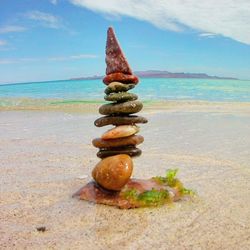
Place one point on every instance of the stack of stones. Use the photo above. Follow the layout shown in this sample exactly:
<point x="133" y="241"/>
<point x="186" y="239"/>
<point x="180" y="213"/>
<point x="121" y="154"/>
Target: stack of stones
<point x="119" y="144"/>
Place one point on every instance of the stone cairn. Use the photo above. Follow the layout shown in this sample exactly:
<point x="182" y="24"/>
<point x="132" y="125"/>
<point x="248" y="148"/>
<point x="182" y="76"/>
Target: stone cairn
<point x="117" y="145"/>
<point x="112" y="184"/>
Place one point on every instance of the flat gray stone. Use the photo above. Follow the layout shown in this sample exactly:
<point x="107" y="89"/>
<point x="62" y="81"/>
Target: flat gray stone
<point x="115" y="87"/>
<point x="129" y="107"/>
<point x="121" y="97"/>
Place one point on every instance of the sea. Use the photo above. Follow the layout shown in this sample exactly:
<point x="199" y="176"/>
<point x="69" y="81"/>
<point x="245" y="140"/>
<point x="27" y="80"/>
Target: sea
<point x="162" y="89"/>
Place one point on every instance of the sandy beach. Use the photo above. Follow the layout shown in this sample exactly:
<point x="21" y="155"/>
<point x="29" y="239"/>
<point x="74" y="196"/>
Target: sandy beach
<point x="46" y="155"/>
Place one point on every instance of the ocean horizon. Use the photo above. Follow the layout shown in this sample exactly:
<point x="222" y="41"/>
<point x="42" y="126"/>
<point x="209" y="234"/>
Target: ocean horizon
<point x="161" y="89"/>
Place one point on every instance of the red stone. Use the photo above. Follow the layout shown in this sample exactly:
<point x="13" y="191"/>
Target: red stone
<point x="115" y="59"/>
<point x="120" y="77"/>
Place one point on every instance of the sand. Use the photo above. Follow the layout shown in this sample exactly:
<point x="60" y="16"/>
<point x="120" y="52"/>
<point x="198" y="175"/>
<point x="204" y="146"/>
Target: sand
<point x="46" y="155"/>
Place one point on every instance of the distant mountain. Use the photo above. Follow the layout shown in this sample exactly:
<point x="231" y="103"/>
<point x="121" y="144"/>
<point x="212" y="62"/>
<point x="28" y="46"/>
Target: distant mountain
<point x="163" y="74"/>
<point x="167" y="74"/>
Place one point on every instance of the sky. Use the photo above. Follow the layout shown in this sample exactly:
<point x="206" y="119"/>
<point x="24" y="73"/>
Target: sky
<point x="61" y="39"/>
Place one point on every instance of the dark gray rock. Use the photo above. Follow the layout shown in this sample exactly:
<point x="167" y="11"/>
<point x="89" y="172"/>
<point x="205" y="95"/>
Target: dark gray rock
<point x="119" y="120"/>
<point x="121" y="97"/>
<point x="131" y="151"/>
<point x="129" y="107"/>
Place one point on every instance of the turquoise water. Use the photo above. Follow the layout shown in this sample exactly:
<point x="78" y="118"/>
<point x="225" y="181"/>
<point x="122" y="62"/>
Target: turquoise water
<point x="147" y="89"/>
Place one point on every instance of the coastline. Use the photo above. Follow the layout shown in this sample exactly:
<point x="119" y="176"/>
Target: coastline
<point x="46" y="155"/>
<point x="91" y="106"/>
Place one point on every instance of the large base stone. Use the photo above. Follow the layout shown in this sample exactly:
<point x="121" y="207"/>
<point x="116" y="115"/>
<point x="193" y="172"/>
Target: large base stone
<point x="94" y="193"/>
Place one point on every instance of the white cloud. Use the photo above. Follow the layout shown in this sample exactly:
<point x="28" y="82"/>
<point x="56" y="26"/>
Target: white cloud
<point x="229" y="18"/>
<point x="11" y="28"/>
<point x="83" y="56"/>
<point x="48" y="59"/>
<point x="46" y="19"/>
<point x="3" y="43"/>
<point x="207" y="35"/>
<point x="74" y="57"/>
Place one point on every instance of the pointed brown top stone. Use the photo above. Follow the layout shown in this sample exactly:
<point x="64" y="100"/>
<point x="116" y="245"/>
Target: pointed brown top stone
<point x="115" y="59"/>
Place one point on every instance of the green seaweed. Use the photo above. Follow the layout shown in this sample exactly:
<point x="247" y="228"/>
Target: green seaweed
<point x="130" y="194"/>
<point x="156" y="197"/>
<point x="170" y="178"/>
<point x="186" y="191"/>
<point x="147" y="198"/>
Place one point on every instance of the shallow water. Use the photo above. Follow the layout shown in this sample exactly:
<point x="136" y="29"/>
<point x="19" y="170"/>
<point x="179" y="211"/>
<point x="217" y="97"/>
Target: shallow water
<point x="44" y="153"/>
<point x="148" y="89"/>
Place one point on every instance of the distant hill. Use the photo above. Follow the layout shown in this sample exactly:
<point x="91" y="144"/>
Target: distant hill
<point x="163" y="74"/>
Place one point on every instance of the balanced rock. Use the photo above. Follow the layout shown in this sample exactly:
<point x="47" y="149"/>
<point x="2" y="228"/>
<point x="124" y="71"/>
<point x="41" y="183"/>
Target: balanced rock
<point x="118" y="87"/>
<point x="129" y="107"/>
<point x="120" y="131"/>
<point x="131" y="151"/>
<point x="115" y="59"/>
<point x="121" y="97"/>
<point x="113" y="172"/>
<point x="119" y="120"/>
<point x="120" y="77"/>
<point x="119" y="142"/>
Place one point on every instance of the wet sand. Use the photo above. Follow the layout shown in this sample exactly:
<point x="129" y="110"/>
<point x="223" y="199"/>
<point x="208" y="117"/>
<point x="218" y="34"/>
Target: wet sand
<point x="44" y="155"/>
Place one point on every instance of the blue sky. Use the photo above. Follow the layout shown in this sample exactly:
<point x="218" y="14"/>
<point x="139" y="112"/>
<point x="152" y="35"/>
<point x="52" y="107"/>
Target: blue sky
<point x="60" y="39"/>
